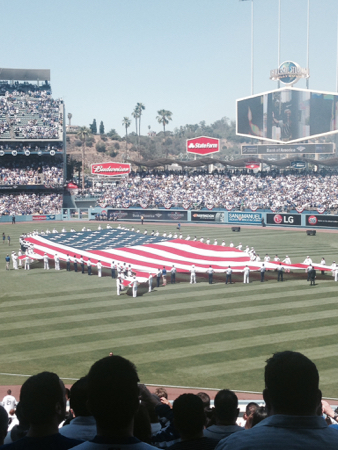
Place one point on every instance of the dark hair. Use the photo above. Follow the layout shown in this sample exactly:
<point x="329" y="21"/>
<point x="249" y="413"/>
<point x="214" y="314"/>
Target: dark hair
<point x="79" y="397"/>
<point x="226" y="405"/>
<point x="250" y="408"/>
<point x="142" y="426"/>
<point x="189" y="414"/>
<point x="258" y="415"/>
<point x="205" y="399"/>
<point x="38" y="397"/>
<point x="3" y="424"/>
<point x="113" y="392"/>
<point x="292" y="382"/>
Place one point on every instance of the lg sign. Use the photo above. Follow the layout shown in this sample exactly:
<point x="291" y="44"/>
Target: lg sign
<point x="203" y="145"/>
<point x="284" y="219"/>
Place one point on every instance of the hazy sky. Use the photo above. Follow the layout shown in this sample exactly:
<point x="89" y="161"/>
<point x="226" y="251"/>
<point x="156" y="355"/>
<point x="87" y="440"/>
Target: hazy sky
<point x="192" y="57"/>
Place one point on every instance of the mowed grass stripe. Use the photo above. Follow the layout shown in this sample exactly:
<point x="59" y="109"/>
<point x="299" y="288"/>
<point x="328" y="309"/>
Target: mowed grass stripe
<point x="256" y="362"/>
<point x="183" y="351"/>
<point x="186" y="327"/>
<point x="175" y="336"/>
<point x="163" y="320"/>
<point x="174" y="308"/>
<point x="161" y="294"/>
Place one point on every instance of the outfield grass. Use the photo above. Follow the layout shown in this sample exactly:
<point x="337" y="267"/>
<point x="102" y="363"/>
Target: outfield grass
<point x="189" y="335"/>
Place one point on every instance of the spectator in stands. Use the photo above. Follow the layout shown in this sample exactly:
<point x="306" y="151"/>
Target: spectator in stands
<point x="113" y="399"/>
<point x="292" y="399"/>
<point x="43" y="403"/>
<point x="161" y="393"/>
<point x="206" y="403"/>
<point x="249" y="409"/>
<point x="189" y="419"/>
<point x="169" y="434"/>
<point x="225" y="415"/>
<point x="9" y="401"/>
<point x="3" y="424"/>
<point x="83" y="426"/>
<point x="256" y="416"/>
<point x="20" y="430"/>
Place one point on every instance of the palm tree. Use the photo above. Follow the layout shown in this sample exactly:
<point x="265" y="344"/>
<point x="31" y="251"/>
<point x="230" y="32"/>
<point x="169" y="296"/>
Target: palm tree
<point x="140" y="107"/>
<point x="126" y="123"/>
<point x="163" y="117"/>
<point x="136" y="115"/>
<point x="70" y="115"/>
<point x="83" y="134"/>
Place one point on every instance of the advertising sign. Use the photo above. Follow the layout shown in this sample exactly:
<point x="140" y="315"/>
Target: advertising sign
<point x="206" y="216"/>
<point x="322" y="221"/>
<point x="203" y="145"/>
<point x="298" y="164"/>
<point x="288" y="115"/>
<point x="44" y="217"/>
<point x="149" y="215"/>
<point x="284" y="219"/>
<point x="297" y="149"/>
<point x="289" y="73"/>
<point x="110" y="169"/>
<point x="238" y="217"/>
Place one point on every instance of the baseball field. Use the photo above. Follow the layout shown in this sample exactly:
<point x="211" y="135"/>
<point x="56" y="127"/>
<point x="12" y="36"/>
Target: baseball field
<point x="206" y="336"/>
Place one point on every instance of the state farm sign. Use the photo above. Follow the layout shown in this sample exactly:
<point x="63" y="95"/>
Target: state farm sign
<point x="203" y="145"/>
<point x="110" y="169"/>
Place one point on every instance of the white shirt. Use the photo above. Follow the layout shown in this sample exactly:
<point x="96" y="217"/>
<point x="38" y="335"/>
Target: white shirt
<point x="9" y="402"/>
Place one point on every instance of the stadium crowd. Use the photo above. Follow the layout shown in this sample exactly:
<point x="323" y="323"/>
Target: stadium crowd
<point x="25" y="204"/>
<point x="32" y="173"/>
<point x="30" y="115"/>
<point x="226" y="191"/>
<point x="109" y="409"/>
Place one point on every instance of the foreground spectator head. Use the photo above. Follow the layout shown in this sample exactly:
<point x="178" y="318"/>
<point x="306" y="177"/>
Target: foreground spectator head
<point x="226" y="407"/>
<point x="161" y="392"/>
<point x="291" y="384"/>
<point x="79" y="397"/>
<point x="205" y="399"/>
<point x="113" y="394"/>
<point x="189" y="416"/>
<point x="42" y="399"/>
<point x="3" y="424"/>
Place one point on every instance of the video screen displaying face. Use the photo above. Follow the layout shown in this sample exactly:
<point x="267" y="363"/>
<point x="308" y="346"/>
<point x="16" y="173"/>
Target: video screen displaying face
<point x="287" y="115"/>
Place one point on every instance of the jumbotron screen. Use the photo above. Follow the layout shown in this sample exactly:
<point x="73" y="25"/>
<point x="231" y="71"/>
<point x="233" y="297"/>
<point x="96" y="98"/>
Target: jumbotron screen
<point x="288" y="115"/>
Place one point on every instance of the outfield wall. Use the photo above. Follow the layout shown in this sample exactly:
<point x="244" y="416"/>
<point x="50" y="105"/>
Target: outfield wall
<point x="175" y="215"/>
<point x="304" y="220"/>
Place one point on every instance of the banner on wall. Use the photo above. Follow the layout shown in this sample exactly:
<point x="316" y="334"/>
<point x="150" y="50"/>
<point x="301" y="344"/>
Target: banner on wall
<point x="238" y="217"/>
<point x="322" y="221"/>
<point x="166" y="216"/>
<point x="284" y="219"/>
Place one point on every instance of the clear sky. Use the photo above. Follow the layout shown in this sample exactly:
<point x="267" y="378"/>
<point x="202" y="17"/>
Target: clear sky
<point x="192" y="57"/>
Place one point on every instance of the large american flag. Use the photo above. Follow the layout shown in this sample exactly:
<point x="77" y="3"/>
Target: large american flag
<point x="145" y="253"/>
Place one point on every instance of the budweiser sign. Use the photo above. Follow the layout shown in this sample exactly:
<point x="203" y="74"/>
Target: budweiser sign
<point x="203" y="145"/>
<point x="110" y="169"/>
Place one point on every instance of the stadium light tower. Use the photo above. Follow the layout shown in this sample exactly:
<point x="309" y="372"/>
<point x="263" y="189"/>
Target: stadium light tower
<point x="252" y="44"/>
<point x="307" y="41"/>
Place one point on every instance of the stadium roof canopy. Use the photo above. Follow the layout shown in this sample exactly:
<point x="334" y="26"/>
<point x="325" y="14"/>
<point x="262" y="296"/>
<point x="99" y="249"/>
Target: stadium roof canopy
<point x="241" y="162"/>
<point x="24" y="74"/>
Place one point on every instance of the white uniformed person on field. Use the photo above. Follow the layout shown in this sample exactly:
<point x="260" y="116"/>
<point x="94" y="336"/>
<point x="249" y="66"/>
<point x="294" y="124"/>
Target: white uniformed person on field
<point x="246" y="273"/>
<point x="118" y="284"/>
<point x="57" y="261"/>
<point x="134" y="285"/>
<point x="150" y="281"/>
<point x="45" y="262"/>
<point x="192" y="275"/>
<point x="99" y="268"/>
